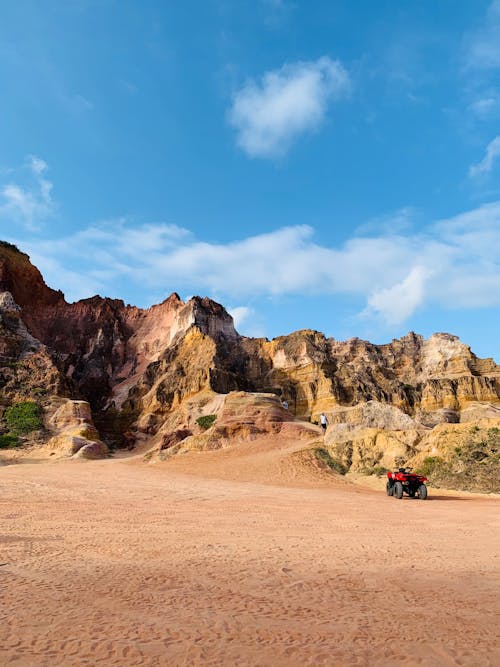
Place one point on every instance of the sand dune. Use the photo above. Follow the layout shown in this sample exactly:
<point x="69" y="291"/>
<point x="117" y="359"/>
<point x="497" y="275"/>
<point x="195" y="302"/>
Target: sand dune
<point x="239" y="557"/>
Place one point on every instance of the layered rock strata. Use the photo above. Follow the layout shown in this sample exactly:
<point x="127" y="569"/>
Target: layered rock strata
<point x="145" y="372"/>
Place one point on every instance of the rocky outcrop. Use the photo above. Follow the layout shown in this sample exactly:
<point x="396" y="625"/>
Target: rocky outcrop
<point x="462" y="456"/>
<point x="74" y="432"/>
<point x="149" y="372"/>
<point x="373" y="415"/>
<point x="240" y="417"/>
<point x="26" y="366"/>
<point x="317" y="374"/>
<point x="372" y="437"/>
<point x="477" y="411"/>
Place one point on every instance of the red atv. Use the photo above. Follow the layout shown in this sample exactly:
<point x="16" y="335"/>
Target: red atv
<point x="403" y="480"/>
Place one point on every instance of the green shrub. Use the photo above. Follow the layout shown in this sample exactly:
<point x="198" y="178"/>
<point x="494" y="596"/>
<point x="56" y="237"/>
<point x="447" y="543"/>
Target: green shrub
<point x="429" y="465"/>
<point x="324" y="456"/>
<point x="206" y="421"/>
<point x="378" y="471"/>
<point x="23" y="418"/>
<point x="8" y="441"/>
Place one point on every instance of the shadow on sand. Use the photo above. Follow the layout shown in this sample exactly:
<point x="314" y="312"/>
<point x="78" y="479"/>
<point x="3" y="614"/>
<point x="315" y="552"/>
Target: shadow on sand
<point x="461" y="498"/>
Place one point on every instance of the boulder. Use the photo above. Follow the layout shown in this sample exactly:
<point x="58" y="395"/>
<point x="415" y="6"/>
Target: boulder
<point x="74" y="432"/>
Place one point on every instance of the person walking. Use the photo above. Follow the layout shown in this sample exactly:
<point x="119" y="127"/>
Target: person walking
<point x="323" y="422"/>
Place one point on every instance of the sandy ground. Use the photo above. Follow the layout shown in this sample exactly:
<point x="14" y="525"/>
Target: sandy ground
<point x="241" y="557"/>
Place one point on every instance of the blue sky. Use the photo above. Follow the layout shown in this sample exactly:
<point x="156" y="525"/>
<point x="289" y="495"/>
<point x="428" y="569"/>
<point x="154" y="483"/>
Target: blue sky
<point x="330" y="165"/>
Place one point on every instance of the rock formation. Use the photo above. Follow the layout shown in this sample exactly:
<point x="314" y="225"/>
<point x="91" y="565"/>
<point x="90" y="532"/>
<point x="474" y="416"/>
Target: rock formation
<point x="148" y="373"/>
<point x="74" y="431"/>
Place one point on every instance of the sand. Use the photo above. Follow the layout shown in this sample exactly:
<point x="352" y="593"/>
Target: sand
<point x="234" y="558"/>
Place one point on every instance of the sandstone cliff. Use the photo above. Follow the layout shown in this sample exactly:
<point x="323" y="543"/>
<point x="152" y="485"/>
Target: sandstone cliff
<point x="145" y="372"/>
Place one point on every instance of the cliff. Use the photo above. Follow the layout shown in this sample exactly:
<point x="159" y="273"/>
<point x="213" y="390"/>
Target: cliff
<point x="140" y="369"/>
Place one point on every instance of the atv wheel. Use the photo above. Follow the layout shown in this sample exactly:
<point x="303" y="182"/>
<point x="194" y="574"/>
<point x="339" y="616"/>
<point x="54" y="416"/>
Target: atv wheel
<point x="389" y="488"/>
<point x="398" y="490"/>
<point x="422" y="492"/>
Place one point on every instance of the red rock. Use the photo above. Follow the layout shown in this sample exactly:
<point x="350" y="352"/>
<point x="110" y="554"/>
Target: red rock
<point x="138" y="368"/>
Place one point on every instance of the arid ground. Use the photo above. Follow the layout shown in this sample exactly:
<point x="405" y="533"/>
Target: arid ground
<point x="239" y="557"/>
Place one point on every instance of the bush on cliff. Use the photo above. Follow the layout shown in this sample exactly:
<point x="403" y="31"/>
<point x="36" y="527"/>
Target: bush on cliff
<point x="24" y="417"/>
<point x="206" y="421"/>
<point x="8" y="441"/>
<point x="324" y="457"/>
<point x="430" y="465"/>
<point x="472" y="466"/>
<point x="378" y="471"/>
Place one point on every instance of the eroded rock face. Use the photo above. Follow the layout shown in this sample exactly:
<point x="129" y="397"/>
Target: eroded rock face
<point x="143" y="371"/>
<point x="373" y="415"/>
<point x="244" y="416"/>
<point x="371" y="437"/>
<point x="26" y="366"/>
<point x="74" y="432"/>
<point x="476" y="411"/>
<point x="360" y="449"/>
<point x="317" y="374"/>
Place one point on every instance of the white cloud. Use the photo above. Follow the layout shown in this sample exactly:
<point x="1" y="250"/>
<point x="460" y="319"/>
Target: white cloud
<point x="452" y="263"/>
<point x="486" y="164"/>
<point x="29" y="205"/>
<point x="248" y="322"/>
<point x="395" y="270"/>
<point x="37" y="165"/>
<point x="268" y="115"/>
<point x="397" y="303"/>
<point x="240" y="314"/>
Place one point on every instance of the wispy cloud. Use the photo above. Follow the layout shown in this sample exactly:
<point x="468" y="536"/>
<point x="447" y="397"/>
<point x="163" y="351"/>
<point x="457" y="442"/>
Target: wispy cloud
<point x="398" y="221"/>
<point x="481" y="65"/>
<point x="28" y="204"/>
<point x="451" y="263"/>
<point x="276" y="12"/>
<point x="270" y="114"/>
<point x="486" y="106"/>
<point x="483" y="45"/>
<point x="486" y="164"/>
